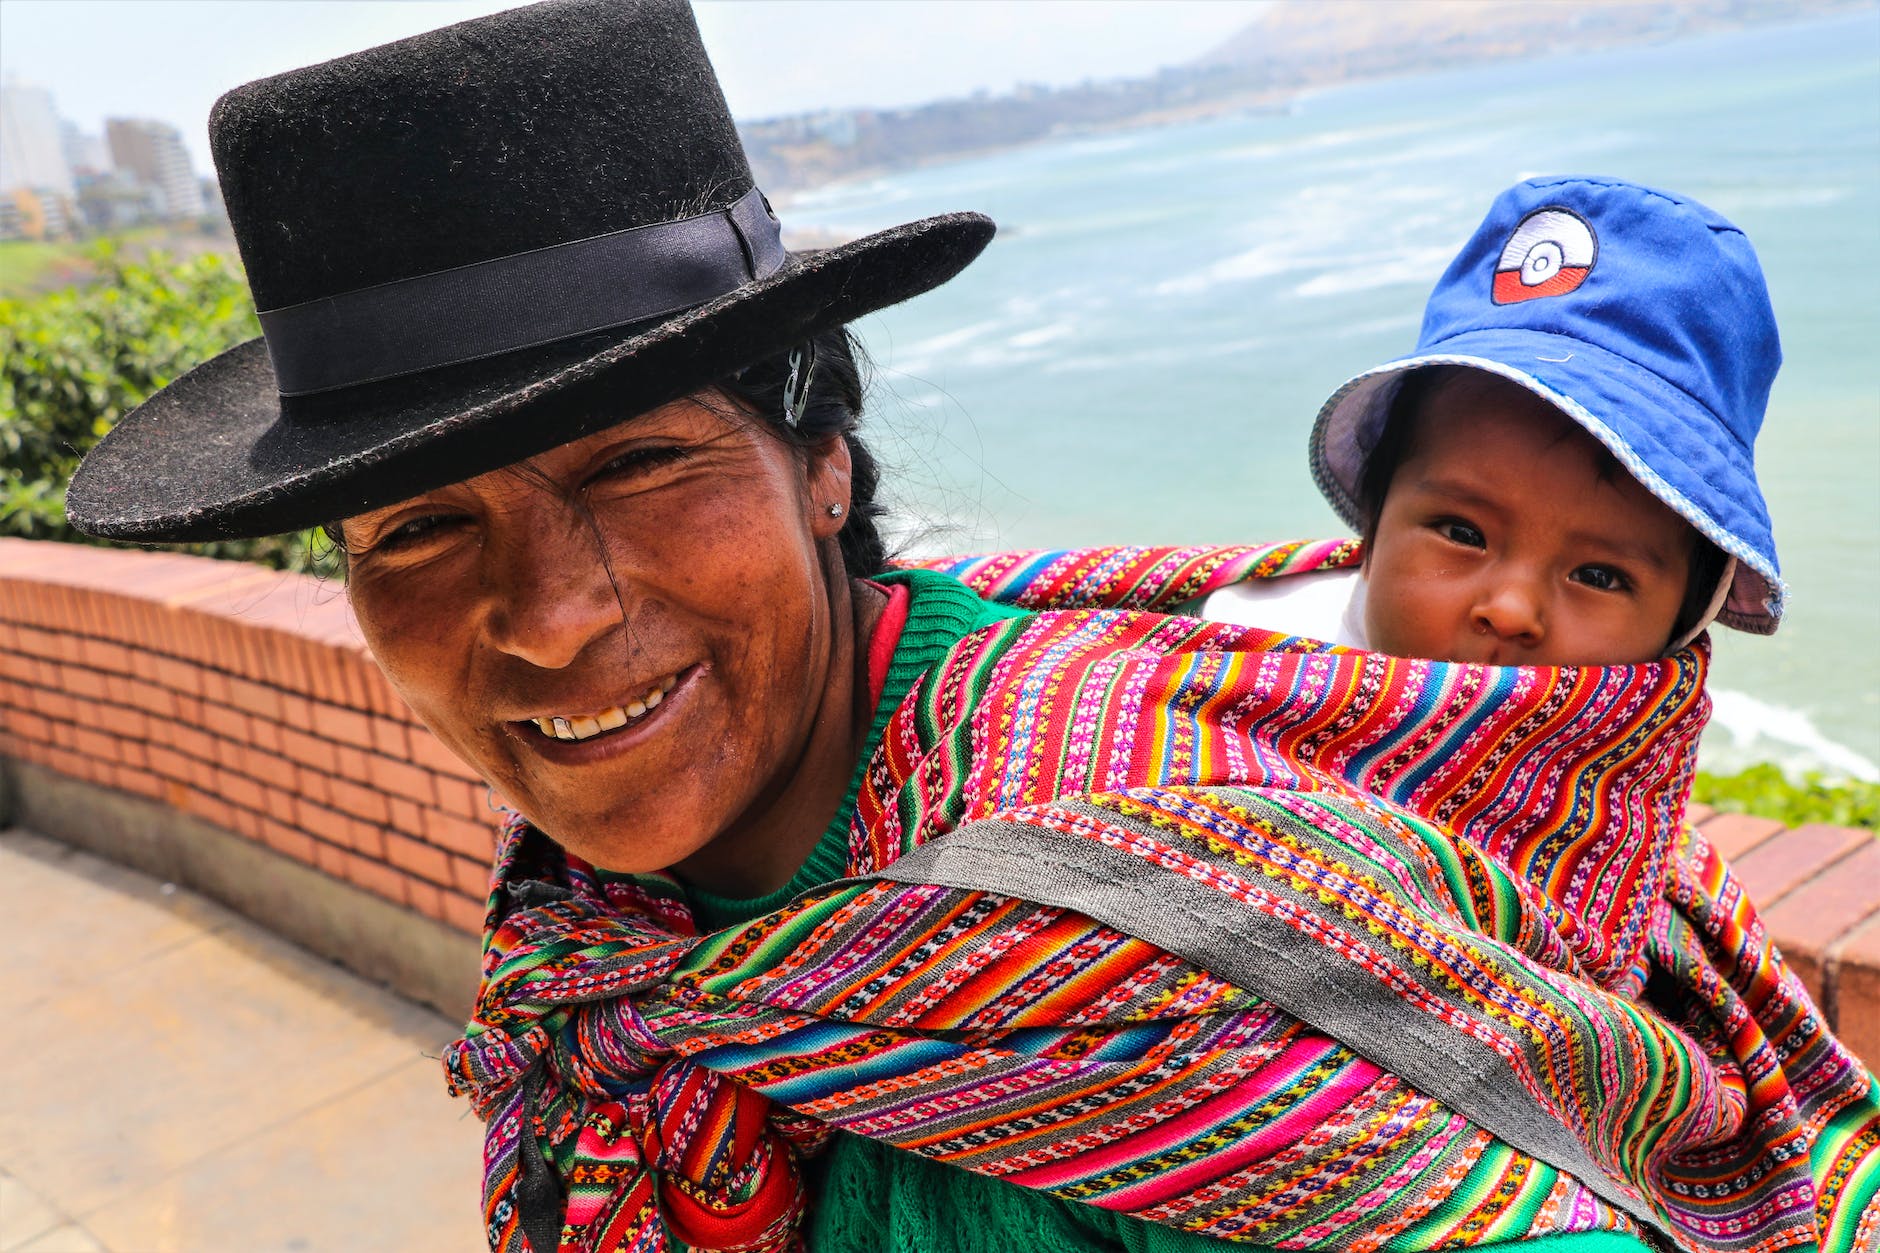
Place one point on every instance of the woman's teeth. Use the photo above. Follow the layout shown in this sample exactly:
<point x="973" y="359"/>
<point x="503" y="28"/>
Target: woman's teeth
<point x="587" y="726"/>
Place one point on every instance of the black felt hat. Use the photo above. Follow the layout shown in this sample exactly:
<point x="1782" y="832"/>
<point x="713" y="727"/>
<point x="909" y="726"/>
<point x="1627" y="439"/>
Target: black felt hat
<point x="471" y="246"/>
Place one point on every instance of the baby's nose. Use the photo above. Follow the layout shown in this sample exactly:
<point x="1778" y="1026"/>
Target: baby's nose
<point x="1511" y="609"/>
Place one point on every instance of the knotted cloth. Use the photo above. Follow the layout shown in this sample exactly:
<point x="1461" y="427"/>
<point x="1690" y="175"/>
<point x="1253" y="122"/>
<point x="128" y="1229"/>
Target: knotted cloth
<point x="1222" y="929"/>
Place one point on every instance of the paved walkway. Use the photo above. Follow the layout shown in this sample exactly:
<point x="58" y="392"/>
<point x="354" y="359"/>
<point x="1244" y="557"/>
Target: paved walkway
<point x="173" y="1077"/>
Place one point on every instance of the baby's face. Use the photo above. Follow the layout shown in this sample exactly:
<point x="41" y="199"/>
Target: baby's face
<point x="1499" y="540"/>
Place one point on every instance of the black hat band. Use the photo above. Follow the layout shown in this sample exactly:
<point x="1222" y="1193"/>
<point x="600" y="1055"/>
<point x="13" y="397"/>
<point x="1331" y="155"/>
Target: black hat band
<point x="522" y="300"/>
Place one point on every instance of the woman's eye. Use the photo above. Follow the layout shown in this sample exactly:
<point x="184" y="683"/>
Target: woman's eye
<point x="638" y="460"/>
<point x="1461" y="533"/>
<point x="1600" y="578"/>
<point x="411" y="530"/>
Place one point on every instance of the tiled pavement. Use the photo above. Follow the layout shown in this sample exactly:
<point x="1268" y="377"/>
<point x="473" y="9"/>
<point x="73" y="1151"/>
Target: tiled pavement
<point x="173" y="1077"/>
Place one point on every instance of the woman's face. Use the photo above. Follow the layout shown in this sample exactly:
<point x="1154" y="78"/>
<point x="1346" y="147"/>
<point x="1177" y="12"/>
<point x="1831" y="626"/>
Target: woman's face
<point x="629" y="635"/>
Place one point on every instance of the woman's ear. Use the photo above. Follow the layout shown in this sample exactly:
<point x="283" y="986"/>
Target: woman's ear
<point x="830" y="472"/>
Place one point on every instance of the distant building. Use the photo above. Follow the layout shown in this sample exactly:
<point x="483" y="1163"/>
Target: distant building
<point x="153" y="152"/>
<point x="37" y="213"/>
<point x="115" y="201"/>
<point x="85" y="155"/>
<point x="31" y="151"/>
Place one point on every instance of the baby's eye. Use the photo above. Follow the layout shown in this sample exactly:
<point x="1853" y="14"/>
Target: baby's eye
<point x="1461" y="533"/>
<point x="1600" y="578"/>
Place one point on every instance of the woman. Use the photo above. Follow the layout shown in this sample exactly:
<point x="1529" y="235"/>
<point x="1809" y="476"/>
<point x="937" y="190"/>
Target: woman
<point x="852" y="908"/>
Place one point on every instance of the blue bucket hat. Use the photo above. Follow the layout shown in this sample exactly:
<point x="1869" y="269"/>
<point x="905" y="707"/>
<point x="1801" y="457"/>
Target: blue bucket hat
<point x="1641" y="315"/>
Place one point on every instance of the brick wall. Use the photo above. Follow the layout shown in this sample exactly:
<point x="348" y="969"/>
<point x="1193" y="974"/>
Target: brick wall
<point x="246" y="698"/>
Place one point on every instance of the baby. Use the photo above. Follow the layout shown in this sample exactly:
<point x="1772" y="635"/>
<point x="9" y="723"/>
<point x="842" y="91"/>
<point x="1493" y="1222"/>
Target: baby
<point x="1562" y="473"/>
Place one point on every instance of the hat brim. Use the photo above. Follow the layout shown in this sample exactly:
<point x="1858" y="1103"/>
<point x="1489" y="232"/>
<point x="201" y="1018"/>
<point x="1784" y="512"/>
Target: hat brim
<point x="218" y="454"/>
<point x="1676" y="457"/>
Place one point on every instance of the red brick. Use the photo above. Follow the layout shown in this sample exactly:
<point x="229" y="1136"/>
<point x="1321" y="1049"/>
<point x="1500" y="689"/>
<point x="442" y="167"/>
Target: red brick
<point x="421" y="859"/>
<point x="240" y="790"/>
<point x="346" y="726"/>
<point x="1807" y="923"/>
<point x="428" y="751"/>
<point x="330" y="858"/>
<point x="389" y="739"/>
<point x="132" y="724"/>
<point x="55" y="705"/>
<point x="179" y="676"/>
<point x="255" y="698"/>
<point x="315" y="786"/>
<point x="474" y="840"/>
<point x="1735" y="834"/>
<point x="465" y="798"/>
<point x="150" y="698"/>
<point x="1854" y="968"/>
<point x="246" y="821"/>
<point x="230" y="724"/>
<point x="406" y="815"/>
<point x="131" y="753"/>
<point x="288" y="841"/>
<point x="29" y="726"/>
<point x="100" y="655"/>
<point x="140" y="782"/>
<point x="399" y="779"/>
<point x="296" y="711"/>
<point x="376" y="877"/>
<point x="193" y="741"/>
<point x="210" y="808"/>
<point x="1778" y="866"/>
<point x="65" y="734"/>
<point x="167" y="762"/>
<point x="330" y="825"/>
<point x="37" y="643"/>
<point x="96" y="744"/>
<point x="426" y="898"/>
<point x="213" y="685"/>
<point x="82" y="682"/>
<point x="471" y="877"/>
<point x="309" y="751"/>
<point x="367" y="838"/>
<point x="264" y="734"/>
<point x="1696" y="814"/>
<point x="349" y="763"/>
<point x="463" y="913"/>
<point x="361" y="802"/>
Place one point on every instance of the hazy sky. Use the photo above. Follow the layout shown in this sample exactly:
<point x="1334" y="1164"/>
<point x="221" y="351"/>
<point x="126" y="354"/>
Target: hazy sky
<point x="170" y="59"/>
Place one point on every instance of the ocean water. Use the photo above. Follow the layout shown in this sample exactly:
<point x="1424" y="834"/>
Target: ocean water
<point x="1139" y="355"/>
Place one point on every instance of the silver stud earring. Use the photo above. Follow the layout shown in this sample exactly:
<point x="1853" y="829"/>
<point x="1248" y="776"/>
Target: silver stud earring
<point x="835" y="511"/>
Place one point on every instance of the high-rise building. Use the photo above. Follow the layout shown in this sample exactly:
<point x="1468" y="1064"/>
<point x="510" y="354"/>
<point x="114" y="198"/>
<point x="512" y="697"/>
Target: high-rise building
<point x="153" y="151"/>
<point x="31" y="154"/>
<point x="85" y="154"/>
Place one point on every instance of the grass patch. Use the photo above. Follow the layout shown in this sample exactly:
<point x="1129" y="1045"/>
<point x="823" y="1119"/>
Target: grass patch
<point x="1768" y="793"/>
<point x="27" y="265"/>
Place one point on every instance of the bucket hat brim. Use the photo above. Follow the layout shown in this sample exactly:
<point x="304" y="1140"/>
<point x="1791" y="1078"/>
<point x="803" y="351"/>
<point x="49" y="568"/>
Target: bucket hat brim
<point x="218" y="454"/>
<point x="1675" y="455"/>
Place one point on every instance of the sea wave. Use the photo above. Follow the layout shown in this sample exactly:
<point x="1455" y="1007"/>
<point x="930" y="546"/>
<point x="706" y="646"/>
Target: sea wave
<point x="1745" y="729"/>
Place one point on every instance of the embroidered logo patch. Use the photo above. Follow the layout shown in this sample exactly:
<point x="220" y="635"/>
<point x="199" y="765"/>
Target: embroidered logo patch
<point x="1550" y="253"/>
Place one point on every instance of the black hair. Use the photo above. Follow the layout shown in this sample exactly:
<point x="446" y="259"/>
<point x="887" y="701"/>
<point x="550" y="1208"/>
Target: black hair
<point x="832" y="407"/>
<point x="1396" y="441"/>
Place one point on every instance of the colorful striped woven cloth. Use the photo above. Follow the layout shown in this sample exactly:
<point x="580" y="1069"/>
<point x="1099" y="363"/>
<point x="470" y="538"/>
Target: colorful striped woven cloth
<point x="1218" y="928"/>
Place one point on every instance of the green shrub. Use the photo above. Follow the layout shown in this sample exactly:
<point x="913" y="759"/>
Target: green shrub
<point x="1765" y="791"/>
<point x="74" y="361"/>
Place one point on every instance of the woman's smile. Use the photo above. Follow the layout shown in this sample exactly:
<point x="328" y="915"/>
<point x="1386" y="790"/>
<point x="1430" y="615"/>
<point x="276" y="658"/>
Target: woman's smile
<point x="578" y="727"/>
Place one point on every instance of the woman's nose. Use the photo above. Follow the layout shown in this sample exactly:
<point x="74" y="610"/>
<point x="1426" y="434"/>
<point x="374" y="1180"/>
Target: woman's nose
<point x="552" y="592"/>
<point x="1511" y="609"/>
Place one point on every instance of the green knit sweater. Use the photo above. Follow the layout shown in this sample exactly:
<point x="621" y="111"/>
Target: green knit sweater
<point x="867" y="1197"/>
